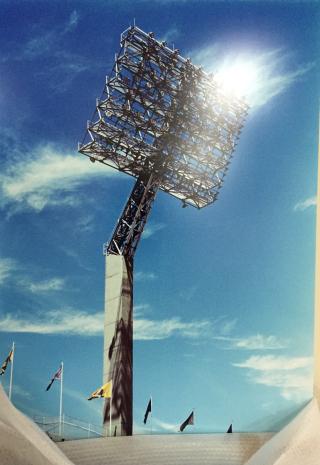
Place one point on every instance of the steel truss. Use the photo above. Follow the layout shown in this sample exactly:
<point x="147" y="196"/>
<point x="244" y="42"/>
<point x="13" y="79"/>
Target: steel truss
<point x="166" y="122"/>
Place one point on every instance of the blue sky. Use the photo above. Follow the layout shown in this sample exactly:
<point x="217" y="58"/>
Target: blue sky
<point x="224" y="295"/>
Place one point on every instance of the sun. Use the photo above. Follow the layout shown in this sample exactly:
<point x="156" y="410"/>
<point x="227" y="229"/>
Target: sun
<point x="238" y="78"/>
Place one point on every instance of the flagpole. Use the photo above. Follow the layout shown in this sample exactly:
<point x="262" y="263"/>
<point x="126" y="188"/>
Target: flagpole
<point x="61" y="388"/>
<point x="110" y="425"/>
<point x="11" y="372"/>
<point x="151" y="413"/>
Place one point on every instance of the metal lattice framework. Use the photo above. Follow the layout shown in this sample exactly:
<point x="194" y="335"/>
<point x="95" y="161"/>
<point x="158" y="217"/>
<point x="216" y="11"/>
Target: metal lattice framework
<point x="166" y="122"/>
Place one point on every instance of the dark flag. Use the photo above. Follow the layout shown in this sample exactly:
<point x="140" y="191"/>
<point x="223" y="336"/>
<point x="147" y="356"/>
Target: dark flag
<point x="188" y="421"/>
<point x="57" y="375"/>
<point x="149" y="409"/>
<point x="6" y="362"/>
<point x="230" y="429"/>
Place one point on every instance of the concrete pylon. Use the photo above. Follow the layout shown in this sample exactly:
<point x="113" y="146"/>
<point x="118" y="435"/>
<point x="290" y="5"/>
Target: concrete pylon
<point x="118" y="344"/>
<point x="316" y="379"/>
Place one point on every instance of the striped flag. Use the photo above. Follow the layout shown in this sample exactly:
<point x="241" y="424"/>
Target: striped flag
<point x="103" y="391"/>
<point x="188" y="421"/>
<point x="6" y="362"/>
<point x="57" y="375"/>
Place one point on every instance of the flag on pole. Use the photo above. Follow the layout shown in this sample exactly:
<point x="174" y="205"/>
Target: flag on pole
<point x="6" y="362"/>
<point x="230" y="429"/>
<point x="188" y="421"/>
<point x="57" y="375"/>
<point x="149" y="410"/>
<point x="103" y="391"/>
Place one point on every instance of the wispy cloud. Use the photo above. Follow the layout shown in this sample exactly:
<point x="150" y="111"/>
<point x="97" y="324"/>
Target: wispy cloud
<point x="227" y="326"/>
<point x="304" y="204"/>
<point x="291" y="375"/>
<point x="70" y="321"/>
<point x="62" y="321"/>
<point x="259" y="342"/>
<point x="269" y="71"/>
<point x="21" y="392"/>
<point x="44" y="42"/>
<point x="157" y="426"/>
<point x="170" y="35"/>
<point x="145" y="329"/>
<point x="85" y="223"/>
<point x="144" y="276"/>
<point x="151" y="229"/>
<point x="7" y="267"/>
<point x="48" y="177"/>
<point x="140" y="310"/>
<point x="80" y="323"/>
<point x="164" y="426"/>
<point x="62" y="66"/>
<point x="54" y="284"/>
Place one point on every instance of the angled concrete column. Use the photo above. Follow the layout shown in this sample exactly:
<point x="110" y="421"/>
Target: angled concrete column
<point x="118" y="344"/>
<point x="316" y="385"/>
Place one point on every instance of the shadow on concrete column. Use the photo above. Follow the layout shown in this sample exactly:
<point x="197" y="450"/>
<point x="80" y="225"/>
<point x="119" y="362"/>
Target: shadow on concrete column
<point x="118" y="344"/>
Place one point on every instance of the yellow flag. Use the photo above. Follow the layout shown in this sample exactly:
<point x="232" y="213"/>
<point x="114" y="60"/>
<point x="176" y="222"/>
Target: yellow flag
<point x="103" y="391"/>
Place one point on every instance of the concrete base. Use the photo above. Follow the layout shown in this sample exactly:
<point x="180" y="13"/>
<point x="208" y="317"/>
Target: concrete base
<point x="175" y="449"/>
<point x="22" y="442"/>
<point x="118" y="345"/>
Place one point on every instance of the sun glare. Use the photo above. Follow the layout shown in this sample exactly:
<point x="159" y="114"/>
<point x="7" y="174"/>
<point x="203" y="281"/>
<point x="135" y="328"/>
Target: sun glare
<point x="238" y="78"/>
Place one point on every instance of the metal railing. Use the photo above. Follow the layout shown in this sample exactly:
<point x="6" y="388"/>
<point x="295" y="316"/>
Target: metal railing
<point x="69" y="429"/>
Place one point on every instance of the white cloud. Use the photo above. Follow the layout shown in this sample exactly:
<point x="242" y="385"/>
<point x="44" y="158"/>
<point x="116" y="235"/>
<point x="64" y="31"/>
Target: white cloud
<point x="259" y="342"/>
<point x="145" y="329"/>
<point x="165" y="426"/>
<point x="267" y="78"/>
<point x="291" y="375"/>
<point x="66" y="321"/>
<point x="151" y="229"/>
<point x="304" y="204"/>
<point x="54" y="284"/>
<point x="7" y="267"/>
<point x="144" y="276"/>
<point x="72" y="322"/>
<point x="141" y="309"/>
<point x="48" y="177"/>
<point x="274" y="363"/>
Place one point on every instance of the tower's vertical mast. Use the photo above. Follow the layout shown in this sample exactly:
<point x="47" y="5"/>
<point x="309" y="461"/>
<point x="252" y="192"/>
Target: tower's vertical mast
<point x="117" y="359"/>
<point x="118" y="324"/>
<point x="316" y="385"/>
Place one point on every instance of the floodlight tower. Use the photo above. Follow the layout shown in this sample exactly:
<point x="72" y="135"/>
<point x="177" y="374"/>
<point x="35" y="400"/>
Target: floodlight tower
<point x="165" y="122"/>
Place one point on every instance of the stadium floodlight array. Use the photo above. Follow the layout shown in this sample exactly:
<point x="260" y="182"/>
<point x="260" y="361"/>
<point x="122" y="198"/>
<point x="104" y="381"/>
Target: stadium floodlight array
<point x="167" y="123"/>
